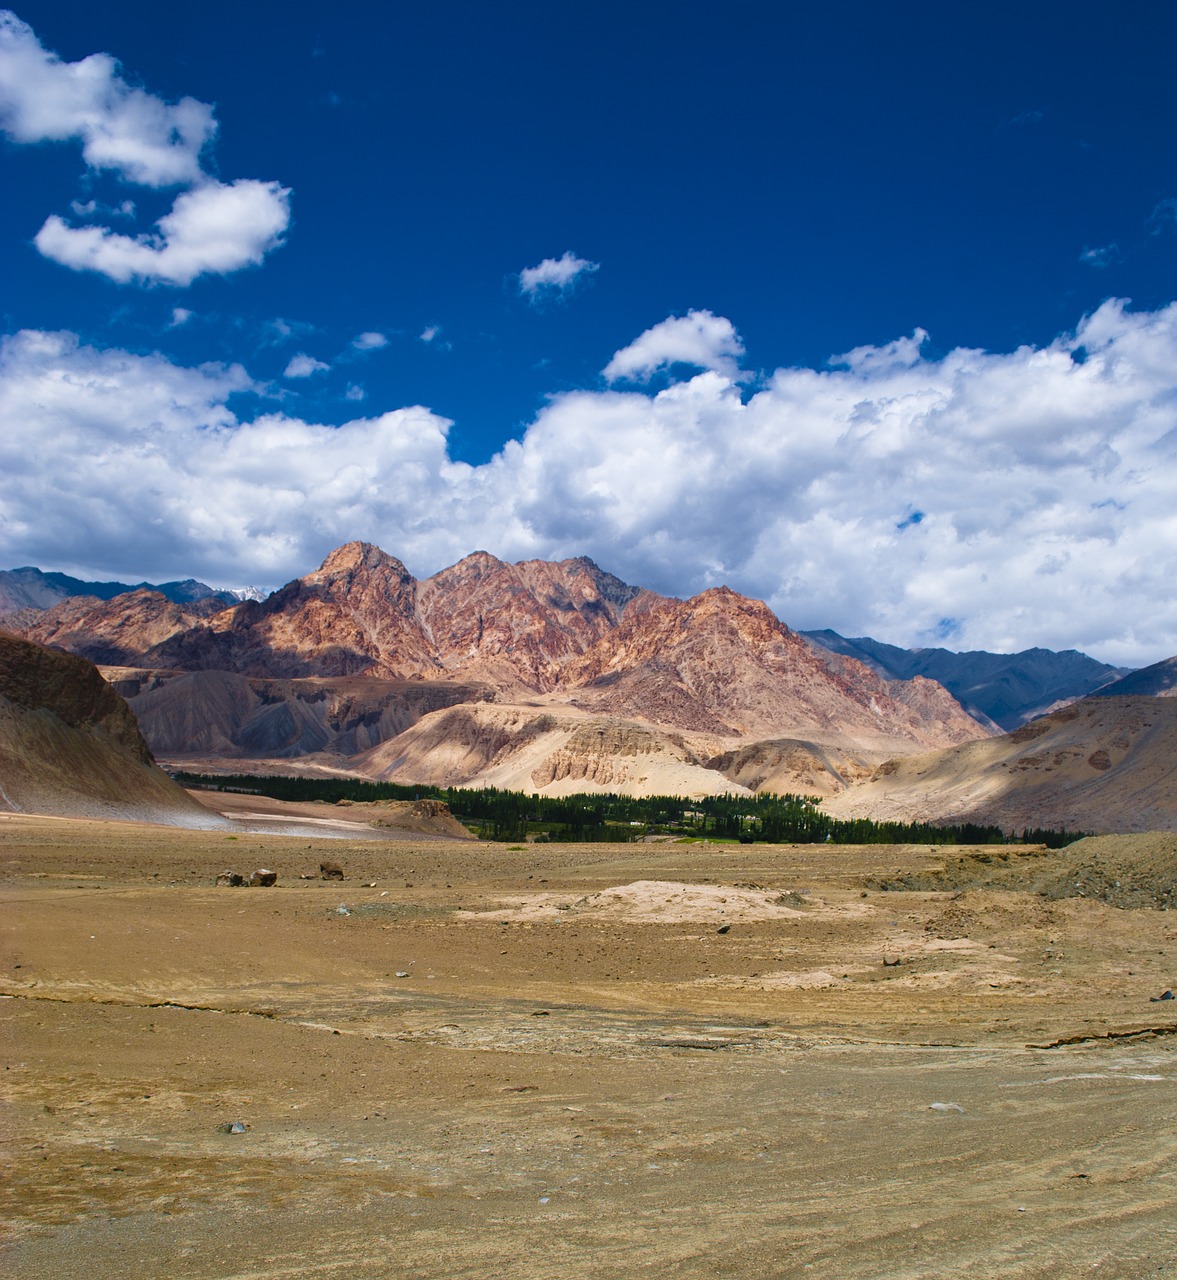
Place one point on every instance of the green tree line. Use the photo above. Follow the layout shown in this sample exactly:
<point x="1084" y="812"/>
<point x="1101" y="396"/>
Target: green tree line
<point x="495" y="814"/>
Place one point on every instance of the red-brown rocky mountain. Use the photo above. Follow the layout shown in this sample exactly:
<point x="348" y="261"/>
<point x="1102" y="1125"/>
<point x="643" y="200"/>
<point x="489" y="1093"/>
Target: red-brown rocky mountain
<point x="522" y="623"/>
<point x="590" y="679"/>
<point x="69" y="744"/>
<point x="355" y="614"/>
<point x="115" y="631"/>
<point x="723" y="663"/>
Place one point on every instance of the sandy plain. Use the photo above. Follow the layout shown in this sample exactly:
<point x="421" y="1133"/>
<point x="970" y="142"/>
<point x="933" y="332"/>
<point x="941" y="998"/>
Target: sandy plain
<point x="549" y="1061"/>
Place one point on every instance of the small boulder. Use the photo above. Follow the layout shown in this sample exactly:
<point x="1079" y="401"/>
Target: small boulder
<point x="263" y="879"/>
<point x="330" y="871"/>
<point x="230" y="880"/>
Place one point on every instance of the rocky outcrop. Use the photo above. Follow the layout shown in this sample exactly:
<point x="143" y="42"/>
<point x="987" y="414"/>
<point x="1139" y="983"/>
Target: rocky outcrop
<point x="69" y="744"/>
<point x="458" y="745"/>
<point x="223" y="714"/>
<point x="791" y="766"/>
<point x="605" y="754"/>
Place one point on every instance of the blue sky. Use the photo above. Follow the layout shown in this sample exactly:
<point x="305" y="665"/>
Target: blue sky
<point x="789" y="297"/>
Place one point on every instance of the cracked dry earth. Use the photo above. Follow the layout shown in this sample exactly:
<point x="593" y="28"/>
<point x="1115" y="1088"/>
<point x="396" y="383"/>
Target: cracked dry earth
<point x="549" y="1062"/>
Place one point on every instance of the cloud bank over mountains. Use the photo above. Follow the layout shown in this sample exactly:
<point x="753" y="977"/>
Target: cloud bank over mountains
<point x="967" y="500"/>
<point x="975" y="499"/>
<point x="213" y="227"/>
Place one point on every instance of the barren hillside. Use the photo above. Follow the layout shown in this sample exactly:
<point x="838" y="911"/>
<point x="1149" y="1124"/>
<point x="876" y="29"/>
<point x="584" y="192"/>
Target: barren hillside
<point x="69" y="744"/>
<point x="1104" y="764"/>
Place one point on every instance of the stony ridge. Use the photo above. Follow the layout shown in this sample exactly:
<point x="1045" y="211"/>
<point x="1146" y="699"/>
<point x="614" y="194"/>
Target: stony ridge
<point x="563" y="635"/>
<point x="70" y="745"/>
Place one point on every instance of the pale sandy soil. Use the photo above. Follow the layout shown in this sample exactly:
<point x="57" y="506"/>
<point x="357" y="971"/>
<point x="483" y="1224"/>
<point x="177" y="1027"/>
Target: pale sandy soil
<point x="454" y="1077"/>
<point x="392" y="820"/>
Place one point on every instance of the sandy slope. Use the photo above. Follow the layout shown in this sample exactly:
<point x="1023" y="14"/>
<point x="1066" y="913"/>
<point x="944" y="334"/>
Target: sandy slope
<point x="69" y="744"/>
<point x="1104" y="764"/>
<point x="358" y="820"/>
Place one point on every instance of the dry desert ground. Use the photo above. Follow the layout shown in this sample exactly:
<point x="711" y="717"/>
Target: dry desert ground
<point x="666" y="1060"/>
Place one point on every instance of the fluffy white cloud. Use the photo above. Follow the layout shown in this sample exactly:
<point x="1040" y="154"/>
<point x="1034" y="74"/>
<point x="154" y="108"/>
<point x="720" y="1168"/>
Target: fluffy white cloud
<point x="369" y="341"/>
<point x="145" y="463"/>
<point x="554" y="275"/>
<point x="141" y="137"/>
<point x="999" y="500"/>
<point x="302" y="366"/>
<point x="214" y="227"/>
<point x="699" y="338"/>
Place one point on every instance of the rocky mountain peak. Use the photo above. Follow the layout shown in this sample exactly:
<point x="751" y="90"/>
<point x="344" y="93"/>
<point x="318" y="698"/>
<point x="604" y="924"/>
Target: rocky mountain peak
<point x="478" y="564"/>
<point x="358" y="557"/>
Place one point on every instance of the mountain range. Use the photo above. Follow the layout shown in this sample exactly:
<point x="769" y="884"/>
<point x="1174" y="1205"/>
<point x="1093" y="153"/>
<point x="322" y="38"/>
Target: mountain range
<point x="1003" y="689"/>
<point x="999" y="690"/>
<point x="559" y="677"/>
<point x="540" y="675"/>
<point x="30" y="588"/>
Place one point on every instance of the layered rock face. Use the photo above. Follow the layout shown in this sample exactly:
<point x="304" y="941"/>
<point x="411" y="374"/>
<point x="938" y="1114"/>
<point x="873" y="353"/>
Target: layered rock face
<point x="521" y="623"/>
<point x="69" y="744"/>
<point x="567" y="638"/>
<point x="725" y="664"/>
<point x="221" y="714"/>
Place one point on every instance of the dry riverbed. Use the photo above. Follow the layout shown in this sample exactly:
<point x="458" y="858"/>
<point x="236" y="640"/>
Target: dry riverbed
<point x="472" y="1060"/>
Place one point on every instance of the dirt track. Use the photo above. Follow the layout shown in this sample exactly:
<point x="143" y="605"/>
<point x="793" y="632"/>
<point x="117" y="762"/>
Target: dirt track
<point x="577" y="1074"/>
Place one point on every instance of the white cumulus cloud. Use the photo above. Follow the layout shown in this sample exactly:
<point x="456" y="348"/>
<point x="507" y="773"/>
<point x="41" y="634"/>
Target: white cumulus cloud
<point x="141" y="137"/>
<point x="699" y="339"/>
<point x="213" y="227"/>
<point x="216" y="228"/>
<point x="302" y="366"/>
<point x="1001" y="499"/>
<point x="554" y="275"/>
<point x="369" y="341"/>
